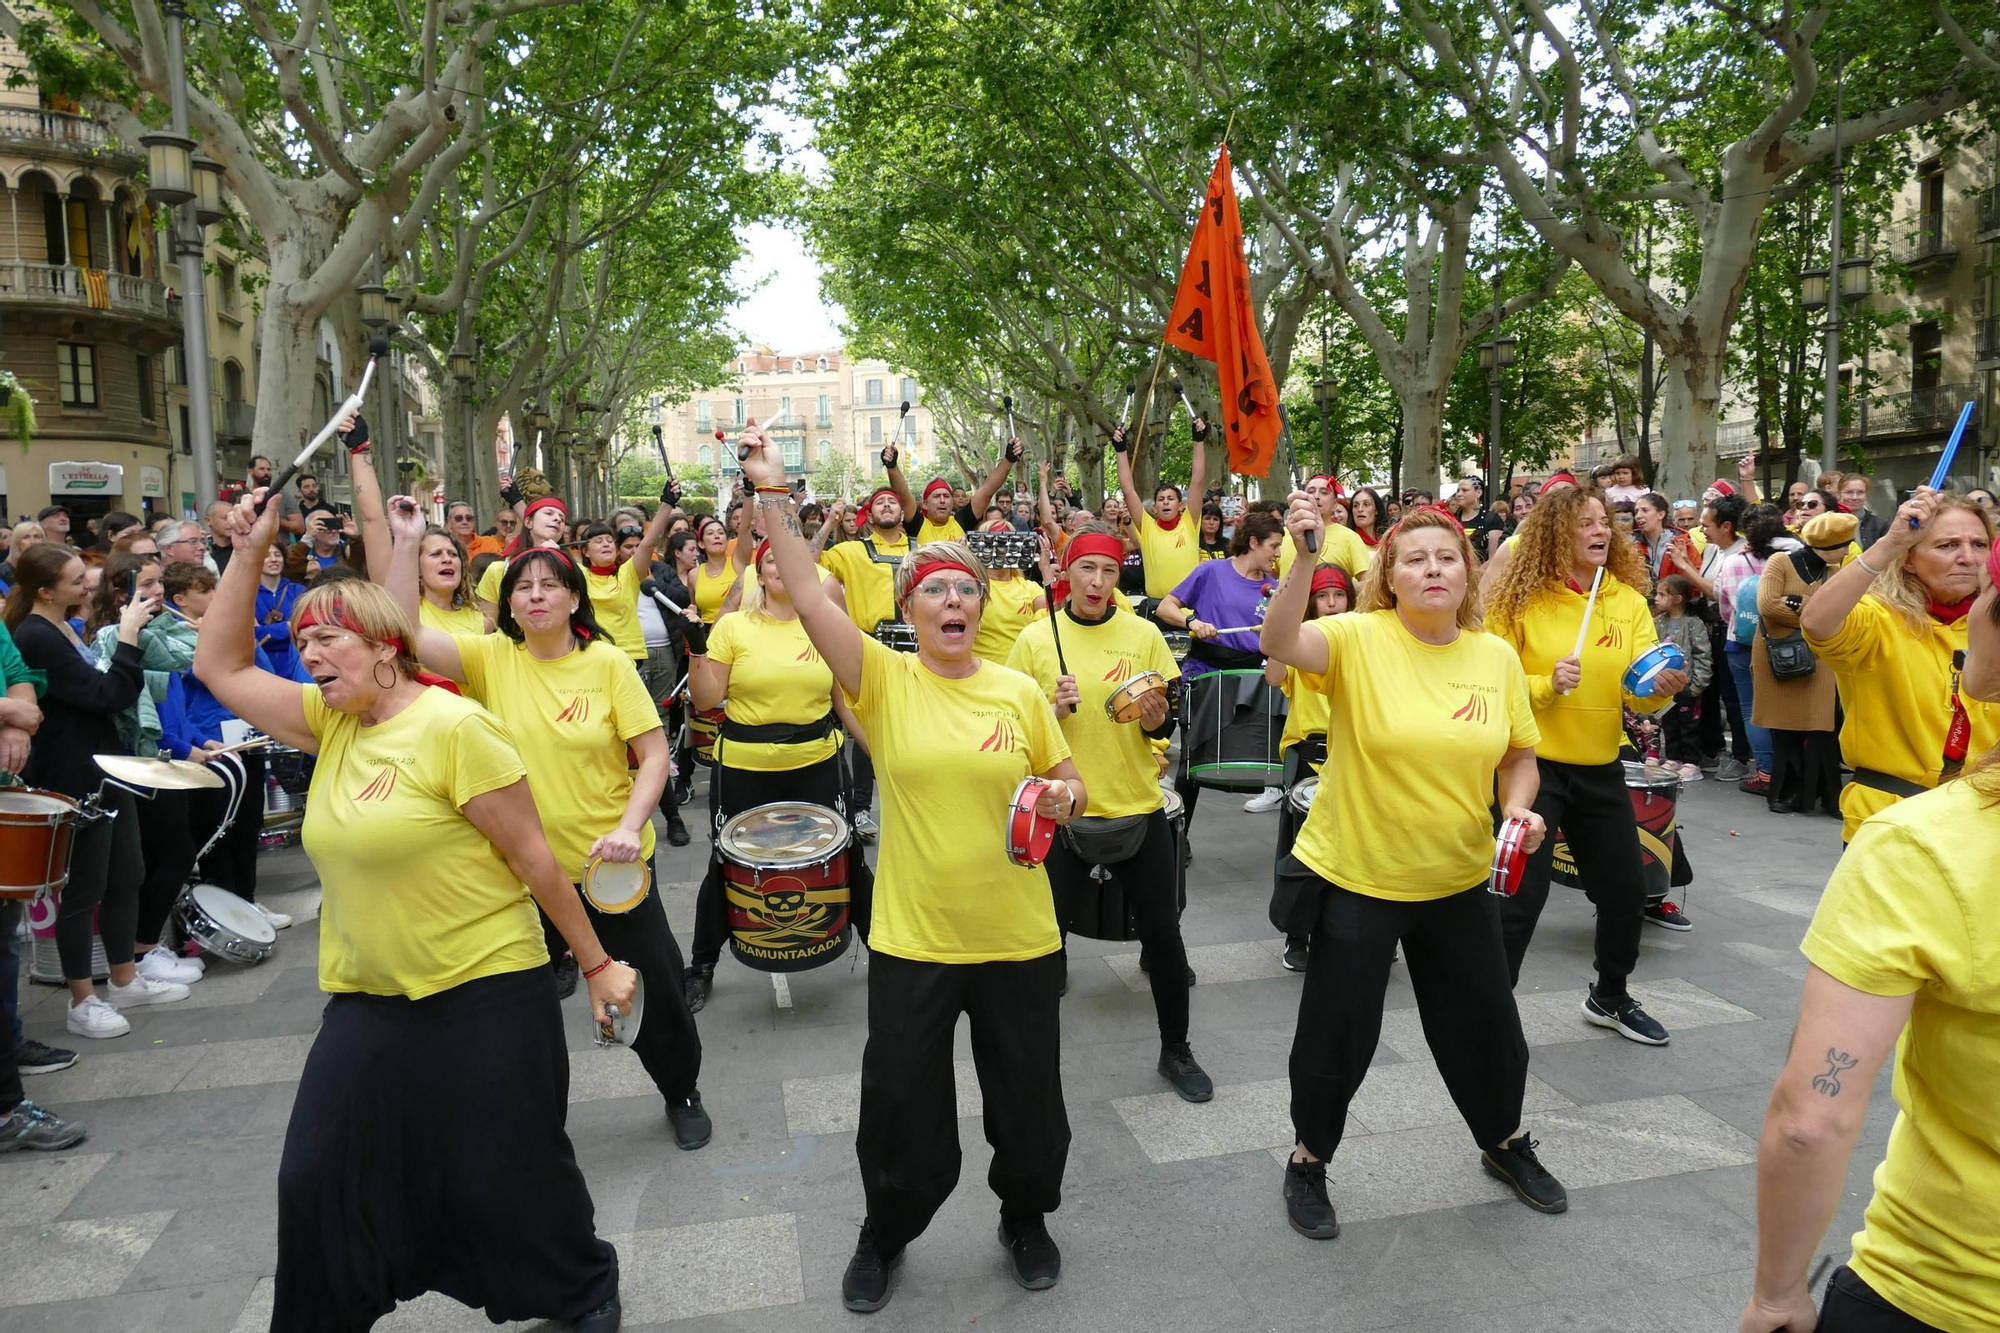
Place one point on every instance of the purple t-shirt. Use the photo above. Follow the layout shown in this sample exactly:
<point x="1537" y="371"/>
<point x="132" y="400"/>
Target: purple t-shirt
<point x="1216" y="593"/>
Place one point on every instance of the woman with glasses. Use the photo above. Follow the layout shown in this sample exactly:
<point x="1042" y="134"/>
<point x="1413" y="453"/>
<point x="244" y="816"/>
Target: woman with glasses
<point x="958" y="927"/>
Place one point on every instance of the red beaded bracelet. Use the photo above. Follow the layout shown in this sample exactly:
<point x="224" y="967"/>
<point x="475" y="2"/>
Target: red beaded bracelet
<point x="608" y="960"/>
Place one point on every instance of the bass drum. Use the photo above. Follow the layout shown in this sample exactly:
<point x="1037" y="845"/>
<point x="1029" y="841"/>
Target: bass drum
<point x="1654" y="792"/>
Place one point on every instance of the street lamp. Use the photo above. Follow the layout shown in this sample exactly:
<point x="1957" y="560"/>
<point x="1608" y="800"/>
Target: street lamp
<point x="208" y="206"/>
<point x="461" y="370"/>
<point x="169" y="168"/>
<point x="1496" y="356"/>
<point x="1325" y="390"/>
<point x="374" y="304"/>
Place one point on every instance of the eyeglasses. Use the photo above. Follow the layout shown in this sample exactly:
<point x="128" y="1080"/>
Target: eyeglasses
<point x="623" y="533"/>
<point x="936" y="590"/>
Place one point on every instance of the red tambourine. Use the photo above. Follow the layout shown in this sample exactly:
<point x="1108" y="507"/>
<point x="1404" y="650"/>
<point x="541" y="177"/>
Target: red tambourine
<point x="1029" y="835"/>
<point x="1510" y="858"/>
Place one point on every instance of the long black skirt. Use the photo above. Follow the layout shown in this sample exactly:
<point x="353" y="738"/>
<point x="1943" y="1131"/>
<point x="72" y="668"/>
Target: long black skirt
<point x="426" y="1152"/>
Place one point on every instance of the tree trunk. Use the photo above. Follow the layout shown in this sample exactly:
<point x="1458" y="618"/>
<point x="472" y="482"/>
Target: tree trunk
<point x="1693" y="399"/>
<point x="1423" y="437"/>
<point x="288" y="351"/>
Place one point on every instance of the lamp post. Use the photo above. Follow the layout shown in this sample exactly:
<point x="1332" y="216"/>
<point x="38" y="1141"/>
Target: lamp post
<point x="1496" y="356"/>
<point x="1324" y="392"/>
<point x="1817" y="290"/>
<point x="461" y="371"/>
<point x="176" y="183"/>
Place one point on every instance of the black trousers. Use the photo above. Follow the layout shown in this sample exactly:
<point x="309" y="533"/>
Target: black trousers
<point x="908" y="1139"/>
<point x="861" y="784"/>
<point x="668" y="1044"/>
<point x="105" y="868"/>
<point x="1590" y="805"/>
<point x="1451" y="947"/>
<point x="1852" y="1306"/>
<point x="167" y="836"/>
<point x="426" y="1152"/>
<point x="1805" y="769"/>
<point x="1680" y="727"/>
<point x="10" y="1070"/>
<point x="1153" y="877"/>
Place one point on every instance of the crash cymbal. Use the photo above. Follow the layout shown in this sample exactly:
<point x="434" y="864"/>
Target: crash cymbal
<point x="157" y="774"/>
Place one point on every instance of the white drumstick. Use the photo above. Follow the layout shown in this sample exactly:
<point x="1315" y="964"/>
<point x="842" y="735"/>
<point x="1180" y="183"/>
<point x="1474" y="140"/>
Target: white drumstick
<point x="1583" y="630"/>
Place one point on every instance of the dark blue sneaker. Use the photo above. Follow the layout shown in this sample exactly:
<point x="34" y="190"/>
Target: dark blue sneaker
<point x="1623" y="1015"/>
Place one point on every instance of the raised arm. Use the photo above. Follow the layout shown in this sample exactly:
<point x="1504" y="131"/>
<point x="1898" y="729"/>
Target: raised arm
<point x="375" y="543"/>
<point x="1831" y="605"/>
<point x="1198" y="470"/>
<point x="897" y="481"/>
<point x="1134" y="507"/>
<point x="1282" y="639"/>
<point x="225" y="655"/>
<point x="987" y="489"/>
<point x="656" y="528"/>
<point x="827" y="625"/>
<point x="433" y="647"/>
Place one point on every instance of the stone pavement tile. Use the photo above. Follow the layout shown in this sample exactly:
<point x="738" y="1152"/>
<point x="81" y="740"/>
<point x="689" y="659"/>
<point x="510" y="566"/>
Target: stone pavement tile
<point x="255" y="1316"/>
<point x="603" y="1073"/>
<point x="1786" y="962"/>
<point x="106" y="1071"/>
<point x="1551" y="1018"/>
<point x="65" y="1261"/>
<point x="209" y="1307"/>
<point x="1412" y="1094"/>
<point x="1214" y="964"/>
<point x="126" y="1124"/>
<point x="1619" y="1070"/>
<point x="832" y="1104"/>
<point x="228" y="1169"/>
<point x="1796" y="902"/>
<point x="710" y="1268"/>
<point x="1666" y="1307"/>
<point x="37" y="1187"/>
<point x="1243" y="1118"/>
<point x="1666" y="1229"/>
<point x="233" y="1064"/>
<point x="231" y="983"/>
<point x="213" y="1242"/>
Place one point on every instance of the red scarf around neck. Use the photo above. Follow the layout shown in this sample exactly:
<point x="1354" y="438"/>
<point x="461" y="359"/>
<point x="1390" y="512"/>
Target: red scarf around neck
<point x="1949" y="613"/>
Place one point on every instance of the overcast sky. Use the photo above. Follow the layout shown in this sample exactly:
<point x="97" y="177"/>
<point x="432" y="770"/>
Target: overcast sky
<point x="786" y="312"/>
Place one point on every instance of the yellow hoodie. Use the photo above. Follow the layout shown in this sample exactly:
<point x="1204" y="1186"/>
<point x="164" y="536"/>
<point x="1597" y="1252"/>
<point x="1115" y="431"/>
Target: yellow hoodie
<point x="1587" y="726"/>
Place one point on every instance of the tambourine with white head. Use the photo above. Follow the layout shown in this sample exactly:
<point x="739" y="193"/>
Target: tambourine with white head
<point x="615" y="886"/>
<point x="1029" y="835"/>
<point x="1510" y="858"/>
<point x="1122" y="705"/>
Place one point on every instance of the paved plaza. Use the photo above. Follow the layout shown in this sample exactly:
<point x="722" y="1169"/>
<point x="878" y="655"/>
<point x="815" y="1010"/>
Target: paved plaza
<point x="165" y="1217"/>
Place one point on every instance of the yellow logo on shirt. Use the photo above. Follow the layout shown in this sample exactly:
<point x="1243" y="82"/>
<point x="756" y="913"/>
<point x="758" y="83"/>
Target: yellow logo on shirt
<point x="380" y="787"/>
<point x="1474" y="710"/>
<point x="1004" y="739"/>
<point x="578" y="710"/>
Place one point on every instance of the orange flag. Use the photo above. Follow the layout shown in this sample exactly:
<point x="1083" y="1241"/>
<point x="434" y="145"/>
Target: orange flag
<point x="1215" y="318"/>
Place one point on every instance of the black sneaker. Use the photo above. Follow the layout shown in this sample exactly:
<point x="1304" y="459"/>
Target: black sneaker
<point x="34" y="1057"/>
<point x="1669" y="915"/>
<point x="1306" y="1206"/>
<point x="1178" y="1067"/>
<point x="692" y="1127"/>
<point x="1295" y="953"/>
<point x="604" y="1319"/>
<point x="1514" y="1164"/>
<point x="699" y="981"/>
<point x="1623" y="1016"/>
<point x="29" y="1126"/>
<point x="566" y="975"/>
<point x="677" y="832"/>
<point x="864" y="1288"/>
<point x="1037" y="1261"/>
<point x="683" y="789"/>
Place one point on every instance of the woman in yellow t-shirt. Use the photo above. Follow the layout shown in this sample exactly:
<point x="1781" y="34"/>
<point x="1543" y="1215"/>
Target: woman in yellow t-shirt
<point x="575" y="707"/>
<point x="780" y="740"/>
<point x="1426" y="713"/>
<point x="719" y="571"/>
<point x="543" y="523"/>
<point x="1901" y="949"/>
<point x="444" y="576"/>
<point x="1892" y="625"/>
<point x="442" y="1012"/>
<point x="1538" y="604"/>
<point x="1013" y="602"/>
<point x="1303" y="743"/>
<point x="613" y="568"/>
<point x="957" y="926"/>
<point x="1098" y="650"/>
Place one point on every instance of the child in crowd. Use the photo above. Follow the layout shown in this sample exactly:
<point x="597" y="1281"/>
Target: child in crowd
<point x="1678" y="623"/>
<point x="1628" y="481"/>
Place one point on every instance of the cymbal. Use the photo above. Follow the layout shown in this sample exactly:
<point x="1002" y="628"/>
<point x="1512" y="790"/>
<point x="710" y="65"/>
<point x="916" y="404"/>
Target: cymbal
<point x="157" y="774"/>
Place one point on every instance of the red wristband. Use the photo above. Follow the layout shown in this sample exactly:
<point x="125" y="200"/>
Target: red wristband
<point x="608" y="960"/>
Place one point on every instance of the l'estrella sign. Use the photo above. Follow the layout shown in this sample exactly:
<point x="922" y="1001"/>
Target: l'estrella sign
<point x="152" y="483"/>
<point x="86" y="479"/>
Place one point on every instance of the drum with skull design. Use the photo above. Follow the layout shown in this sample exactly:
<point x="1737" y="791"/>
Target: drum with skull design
<point x="784" y="872"/>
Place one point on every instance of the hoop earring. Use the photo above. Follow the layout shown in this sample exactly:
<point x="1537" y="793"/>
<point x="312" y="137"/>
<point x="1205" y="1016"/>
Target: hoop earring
<point x="381" y="684"/>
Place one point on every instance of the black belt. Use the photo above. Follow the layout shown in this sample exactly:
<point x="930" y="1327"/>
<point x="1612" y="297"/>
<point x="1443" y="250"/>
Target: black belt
<point x="778" y="733"/>
<point x="1880" y="781"/>
<point x="1223" y="658"/>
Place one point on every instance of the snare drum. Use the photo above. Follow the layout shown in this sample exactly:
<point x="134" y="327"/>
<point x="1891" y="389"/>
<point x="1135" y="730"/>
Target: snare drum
<point x="703" y="727"/>
<point x="224" y="924"/>
<point x="36" y="828"/>
<point x="1232" y="723"/>
<point x="897" y="634"/>
<point x="1654" y="793"/>
<point x="1122" y="704"/>
<point x="1029" y="836"/>
<point x="784" y="876"/>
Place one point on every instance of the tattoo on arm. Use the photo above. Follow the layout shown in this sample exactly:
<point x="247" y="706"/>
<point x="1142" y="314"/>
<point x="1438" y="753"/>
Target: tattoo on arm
<point x="1838" y="1062"/>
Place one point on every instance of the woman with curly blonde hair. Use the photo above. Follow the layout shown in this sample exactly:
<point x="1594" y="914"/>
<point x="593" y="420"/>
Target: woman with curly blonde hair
<point x="1538" y="605"/>
<point x="1892" y="625"/>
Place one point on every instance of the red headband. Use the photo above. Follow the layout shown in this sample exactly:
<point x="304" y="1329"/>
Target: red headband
<point x="878" y="493"/>
<point x="1332" y="484"/>
<point x="337" y="616"/>
<point x="547" y="501"/>
<point x="1559" y="480"/>
<point x="555" y="551"/>
<point x="1094" y="543"/>
<point x="1457" y="526"/>
<point x="1331" y="576"/>
<point x="936" y="484"/>
<point x="757" y="556"/>
<point x="930" y="567"/>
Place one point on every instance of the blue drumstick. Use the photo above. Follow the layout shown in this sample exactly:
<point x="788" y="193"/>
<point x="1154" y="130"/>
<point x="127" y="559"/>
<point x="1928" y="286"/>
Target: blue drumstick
<point x="1943" y="468"/>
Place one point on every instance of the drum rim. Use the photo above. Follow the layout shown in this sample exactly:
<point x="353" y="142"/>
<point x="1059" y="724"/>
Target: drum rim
<point x="843" y="832"/>
<point x="65" y="809"/>
<point x="1293" y="792"/>
<point x="595" y="864"/>
<point x="192" y="894"/>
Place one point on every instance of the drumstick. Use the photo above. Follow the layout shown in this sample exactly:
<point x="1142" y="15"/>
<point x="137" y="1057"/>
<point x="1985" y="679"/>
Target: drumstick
<point x="250" y="744"/>
<point x="1943" y="469"/>
<point x="378" y="346"/>
<point x="1590" y="605"/>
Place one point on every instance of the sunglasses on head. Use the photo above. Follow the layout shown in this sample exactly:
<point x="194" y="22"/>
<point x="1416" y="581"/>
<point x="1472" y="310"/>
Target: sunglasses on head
<point x="623" y="533"/>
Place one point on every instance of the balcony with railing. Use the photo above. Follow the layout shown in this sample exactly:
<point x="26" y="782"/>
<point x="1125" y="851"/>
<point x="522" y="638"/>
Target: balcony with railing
<point x="84" y="289"/>
<point x="235" y="419"/>
<point x="1912" y="412"/>
<point x="1989" y="215"/>
<point x="1986" y="344"/>
<point x="1928" y="250"/>
<point x="31" y="129"/>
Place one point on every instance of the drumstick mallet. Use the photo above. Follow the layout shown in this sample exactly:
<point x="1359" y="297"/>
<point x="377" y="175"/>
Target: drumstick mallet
<point x="1583" y="630"/>
<point x="1181" y="395"/>
<point x="1943" y="468"/>
<point x="1125" y="413"/>
<point x="1007" y="406"/>
<point x="1292" y="458"/>
<point x="378" y="347"/>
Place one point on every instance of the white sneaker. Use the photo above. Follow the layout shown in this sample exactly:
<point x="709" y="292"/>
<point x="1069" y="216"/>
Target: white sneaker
<point x="144" y="990"/>
<point x="278" y="920"/>
<point x="1692" y="773"/>
<point x="94" y="1018"/>
<point x="161" y="965"/>
<point x="1268" y="799"/>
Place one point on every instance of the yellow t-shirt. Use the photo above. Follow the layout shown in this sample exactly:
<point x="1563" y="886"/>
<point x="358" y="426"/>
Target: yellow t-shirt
<point x="1309" y="712"/>
<point x="1339" y="545"/>
<point x="869" y="584"/>
<point x="416" y="900"/>
<point x="1896" y="688"/>
<point x="1905" y="916"/>
<point x="710" y="591"/>
<point x="948" y="757"/>
<point x="467" y="622"/>
<point x="614" y="599"/>
<point x="1415" y="731"/>
<point x="951" y="530"/>
<point x="571" y="718"/>
<point x="489" y="582"/>
<point x="1114" y="759"/>
<point x="1169" y="554"/>
<point x="1587" y="725"/>
<point x="1009" y="609"/>
<point x="775" y="676"/>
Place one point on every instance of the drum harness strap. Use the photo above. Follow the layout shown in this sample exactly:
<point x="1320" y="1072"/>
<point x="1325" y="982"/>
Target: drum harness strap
<point x="1224" y="658"/>
<point x="780" y="733"/>
<point x="1885" y="782"/>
